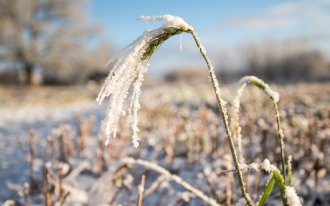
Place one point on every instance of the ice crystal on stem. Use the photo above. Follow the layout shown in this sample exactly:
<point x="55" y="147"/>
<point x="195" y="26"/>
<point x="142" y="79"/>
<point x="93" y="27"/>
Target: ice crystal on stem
<point x="169" y="21"/>
<point x="292" y="196"/>
<point x="268" y="167"/>
<point x="129" y="68"/>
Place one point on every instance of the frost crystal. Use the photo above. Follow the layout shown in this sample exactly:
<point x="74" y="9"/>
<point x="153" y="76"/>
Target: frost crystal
<point x="292" y="196"/>
<point x="169" y="21"/>
<point x="129" y="68"/>
<point x="266" y="166"/>
<point x="254" y="166"/>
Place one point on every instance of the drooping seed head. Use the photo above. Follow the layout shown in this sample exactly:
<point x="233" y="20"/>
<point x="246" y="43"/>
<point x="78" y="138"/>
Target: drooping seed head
<point x="129" y="68"/>
<point x="261" y="85"/>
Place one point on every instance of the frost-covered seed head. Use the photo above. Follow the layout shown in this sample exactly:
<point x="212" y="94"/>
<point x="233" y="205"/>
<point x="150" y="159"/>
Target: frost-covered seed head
<point x="266" y="166"/>
<point x="129" y="68"/>
<point x="261" y="85"/>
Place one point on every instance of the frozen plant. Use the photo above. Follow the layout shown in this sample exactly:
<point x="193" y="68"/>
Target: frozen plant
<point x="274" y="96"/>
<point x="129" y="69"/>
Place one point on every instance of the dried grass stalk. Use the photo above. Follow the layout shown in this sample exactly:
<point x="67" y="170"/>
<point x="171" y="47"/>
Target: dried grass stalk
<point x="174" y="178"/>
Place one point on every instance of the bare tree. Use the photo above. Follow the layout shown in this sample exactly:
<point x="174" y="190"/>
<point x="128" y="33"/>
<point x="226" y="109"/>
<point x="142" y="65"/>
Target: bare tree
<point x="49" y="34"/>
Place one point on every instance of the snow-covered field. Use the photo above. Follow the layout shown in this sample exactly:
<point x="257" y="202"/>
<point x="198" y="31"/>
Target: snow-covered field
<point x="180" y="130"/>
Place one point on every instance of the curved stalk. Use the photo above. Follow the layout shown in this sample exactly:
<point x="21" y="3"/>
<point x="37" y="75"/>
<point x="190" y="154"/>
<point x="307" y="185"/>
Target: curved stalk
<point x="274" y="96"/>
<point x="223" y="111"/>
<point x="172" y="177"/>
<point x="280" y="137"/>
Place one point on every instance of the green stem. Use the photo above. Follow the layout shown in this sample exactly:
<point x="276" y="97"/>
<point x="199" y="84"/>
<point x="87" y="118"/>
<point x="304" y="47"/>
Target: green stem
<point x="223" y="111"/>
<point x="281" y="187"/>
<point x="280" y="137"/>
<point x="290" y="171"/>
<point x="264" y="87"/>
<point x="267" y="191"/>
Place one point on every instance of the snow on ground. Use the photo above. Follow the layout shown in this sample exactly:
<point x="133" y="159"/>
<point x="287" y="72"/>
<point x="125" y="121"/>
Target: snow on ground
<point x="15" y="125"/>
<point x="181" y="131"/>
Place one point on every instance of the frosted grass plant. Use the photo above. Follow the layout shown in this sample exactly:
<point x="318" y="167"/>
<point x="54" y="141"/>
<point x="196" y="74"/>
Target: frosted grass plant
<point x="274" y="96"/>
<point x="129" y="69"/>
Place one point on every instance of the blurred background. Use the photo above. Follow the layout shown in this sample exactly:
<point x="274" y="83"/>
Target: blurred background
<point x="61" y="42"/>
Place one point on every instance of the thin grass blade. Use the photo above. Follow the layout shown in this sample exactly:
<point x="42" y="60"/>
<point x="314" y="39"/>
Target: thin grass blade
<point x="268" y="190"/>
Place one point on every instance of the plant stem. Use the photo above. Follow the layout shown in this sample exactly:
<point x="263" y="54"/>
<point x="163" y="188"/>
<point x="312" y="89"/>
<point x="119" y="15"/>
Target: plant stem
<point x="280" y="137"/>
<point x="290" y="171"/>
<point x="172" y="177"/>
<point x="141" y="190"/>
<point x="223" y="111"/>
<point x="274" y="97"/>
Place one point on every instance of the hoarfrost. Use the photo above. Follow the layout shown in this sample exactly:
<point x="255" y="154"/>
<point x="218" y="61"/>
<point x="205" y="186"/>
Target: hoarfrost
<point x="254" y="166"/>
<point x="265" y="87"/>
<point x="292" y="196"/>
<point x="169" y="21"/>
<point x="129" y="68"/>
<point x="265" y="165"/>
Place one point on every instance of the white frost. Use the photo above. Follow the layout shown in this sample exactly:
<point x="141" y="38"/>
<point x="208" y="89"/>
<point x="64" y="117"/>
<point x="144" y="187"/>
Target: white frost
<point x="169" y="21"/>
<point x="292" y="196"/>
<point x="271" y="93"/>
<point x="128" y="69"/>
<point x="266" y="166"/>
<point x="254" y="166"/>
<point x="136" y="107"/>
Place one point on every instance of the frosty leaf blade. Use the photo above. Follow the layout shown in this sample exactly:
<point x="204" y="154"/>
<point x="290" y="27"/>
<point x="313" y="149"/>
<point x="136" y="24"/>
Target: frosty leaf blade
<point x="281" y="186"/>
<point x="268" y="190"/>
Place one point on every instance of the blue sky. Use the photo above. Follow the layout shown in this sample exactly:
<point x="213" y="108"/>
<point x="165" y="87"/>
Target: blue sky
<point x="223" y="26"/>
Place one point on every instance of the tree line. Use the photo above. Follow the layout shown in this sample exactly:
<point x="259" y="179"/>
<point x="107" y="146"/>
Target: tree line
<point x="54" y="38"/>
